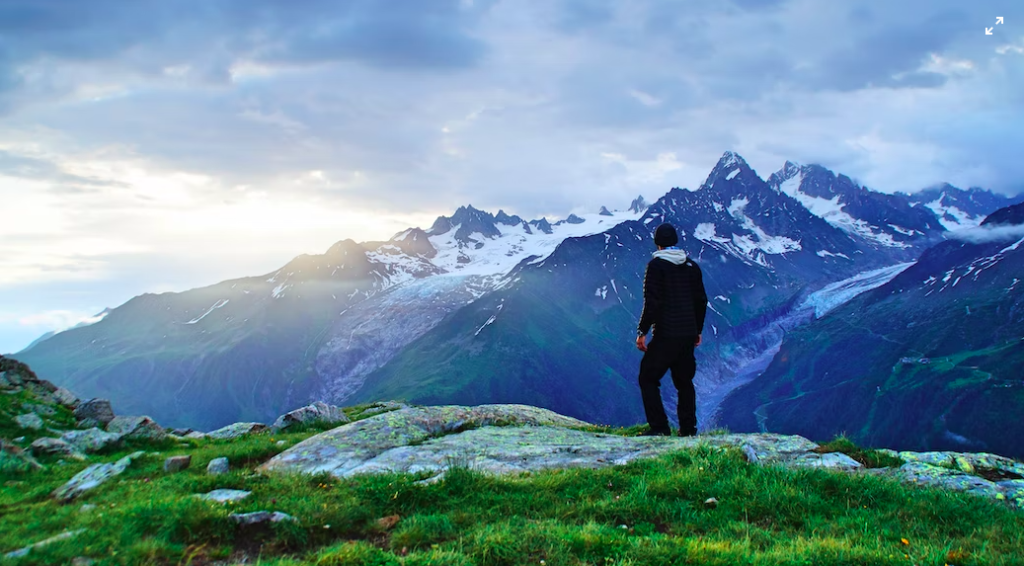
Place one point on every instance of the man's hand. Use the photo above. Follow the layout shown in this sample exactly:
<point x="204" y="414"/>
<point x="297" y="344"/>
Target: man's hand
<point x="641" y="343"/>
<point x="697" y="343"/>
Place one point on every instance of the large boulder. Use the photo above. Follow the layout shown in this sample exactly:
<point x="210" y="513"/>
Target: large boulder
<point x="137" y="428"/>
<point x="66" y="398"/>
<point x="225" y="495"/>
<point x="235" y="430"/>
<point x="318" y="411"/>
<point x="90" y="440"/>
<point x="93" y="477"/>
<point x="95" y="412"/>
<point x="55" y="446"/>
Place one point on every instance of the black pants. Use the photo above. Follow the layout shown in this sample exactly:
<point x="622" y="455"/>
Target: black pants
<point x="664" y="354"/>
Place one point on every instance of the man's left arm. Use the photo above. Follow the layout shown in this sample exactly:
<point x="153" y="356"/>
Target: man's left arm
<point x="700" y="301"/>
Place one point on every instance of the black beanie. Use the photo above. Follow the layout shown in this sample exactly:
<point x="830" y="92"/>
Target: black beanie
<point x="665" y="236"/>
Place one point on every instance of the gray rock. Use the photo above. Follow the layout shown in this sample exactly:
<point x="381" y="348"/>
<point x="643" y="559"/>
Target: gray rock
<point x="318" y="411"/>
<point x="93" y="477"/>
<point x="13" y="378"/>
<point x="832" y="460"/>
<point x="20" y="439"/>
<point x="258" y="517"/>
<point x="225" y="495"/>
<point x="66" y="398"/>
<point x="711" y="503"/>
<point x="194" y="435"/>
<point x="236" y="430"/>
<point x="29" y="420"/>
<point x="87" y="508"/>
<point x="98" y="410"/>
<point x="55" y="446"/>
<point x="83" y="561"/>
<point x="25" y="551"/>
<point x="90" y="440"/>
<point x="921" y="473"/>
<point x="512" y="439"/>
<point x="4" y="382"/>
<point x="217" y="466"/>
<point x="177" y="463"/>
<point x="280" y="443"/>
<point x="181" y="431"/>
<point x="143" y="428"/>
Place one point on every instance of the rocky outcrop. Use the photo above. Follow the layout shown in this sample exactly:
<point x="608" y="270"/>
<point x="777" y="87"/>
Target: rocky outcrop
<point x="91" y="439"/>
<point x="512" y="439"/>
<point x="318" y="411"/>
<point x="225" y="495"/>
<point x="137" y="428"/>
<point x="177" y="463"/>
<point x="234" y="431"/>
<point x="93" y="477"/>
<point x="260" y="517"/>
<point x="55" y="447"/>
<point x="94" y="412"/>
<point x="217" y="466"/>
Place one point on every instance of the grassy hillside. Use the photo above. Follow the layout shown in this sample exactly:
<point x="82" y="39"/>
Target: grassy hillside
<point x="647" y="512"/>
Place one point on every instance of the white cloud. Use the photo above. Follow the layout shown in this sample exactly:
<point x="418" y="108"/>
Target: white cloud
<point x="644" y="98"/>
<point x="988" y="233"/>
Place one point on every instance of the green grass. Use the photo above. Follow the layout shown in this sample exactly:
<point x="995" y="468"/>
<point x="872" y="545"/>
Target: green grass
<point x="647" y="512"/>
<point x="867" y="456"/>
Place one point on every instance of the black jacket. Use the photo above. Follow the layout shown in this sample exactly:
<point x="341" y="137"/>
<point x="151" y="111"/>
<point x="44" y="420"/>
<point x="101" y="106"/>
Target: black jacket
<point x="675" y="302"/>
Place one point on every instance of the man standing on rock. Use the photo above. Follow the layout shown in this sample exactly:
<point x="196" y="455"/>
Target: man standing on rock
<point x="674" y="304"/>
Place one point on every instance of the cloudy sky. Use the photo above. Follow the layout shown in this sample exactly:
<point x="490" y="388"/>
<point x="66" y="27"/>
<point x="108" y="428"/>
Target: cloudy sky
<point x="158" y="145"/>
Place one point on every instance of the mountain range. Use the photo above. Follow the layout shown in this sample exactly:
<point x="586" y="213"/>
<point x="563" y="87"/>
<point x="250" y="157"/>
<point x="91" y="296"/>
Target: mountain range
<point x="487" y="307"/>
<point x="932" y="358"/>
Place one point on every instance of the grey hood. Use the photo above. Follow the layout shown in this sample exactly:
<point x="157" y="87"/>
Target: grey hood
<point x="674" y="255"/>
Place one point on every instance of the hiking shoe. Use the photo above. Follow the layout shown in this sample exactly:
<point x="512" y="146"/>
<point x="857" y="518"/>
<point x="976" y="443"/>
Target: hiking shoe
<point x="654" y="432"/>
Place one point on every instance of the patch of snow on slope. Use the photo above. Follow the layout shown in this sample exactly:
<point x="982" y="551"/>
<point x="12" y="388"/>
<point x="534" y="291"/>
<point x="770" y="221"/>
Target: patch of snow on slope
<point x="951" y="217"/>
<point x="840" y="292"/>
<point x="765" y="242"/>
<point x="498" y="255"/>
<point x="732" y="175"/>
<point x="215" y="306"/>
<point x="831" y="211"/>
<point x="705" y="232"/>
<point x="489" y="321"/>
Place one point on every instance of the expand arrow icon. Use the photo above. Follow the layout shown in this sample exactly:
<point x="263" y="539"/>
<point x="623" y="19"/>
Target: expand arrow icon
<point x="999" y="20"/>
<point x="988" y="31"/>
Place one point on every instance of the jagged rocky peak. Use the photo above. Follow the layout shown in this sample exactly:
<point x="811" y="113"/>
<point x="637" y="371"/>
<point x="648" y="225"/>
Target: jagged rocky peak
<point x="503" y="218"/>
<point x="572" y="219"/>
<point x="414" y="242"/>
<point x="542" y="224"/>
<point x="470" y="221"/>
<point x="345" y="247"/>
<point x="638" y="205"/>
<point x="729" y="167"/>
<point x="604" y="211"/>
